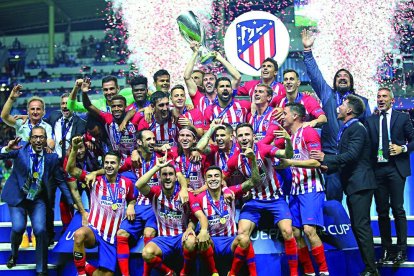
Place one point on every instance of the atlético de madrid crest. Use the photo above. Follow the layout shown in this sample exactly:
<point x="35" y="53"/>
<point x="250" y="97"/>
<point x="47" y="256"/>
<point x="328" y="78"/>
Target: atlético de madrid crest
<point x="254" y="36"/>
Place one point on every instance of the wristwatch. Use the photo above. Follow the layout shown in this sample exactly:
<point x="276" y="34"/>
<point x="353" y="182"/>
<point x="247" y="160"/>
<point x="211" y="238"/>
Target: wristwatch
<point x="403" y="148"/>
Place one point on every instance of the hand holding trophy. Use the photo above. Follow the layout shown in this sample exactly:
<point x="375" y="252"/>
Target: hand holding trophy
<point x="191" y="29"/>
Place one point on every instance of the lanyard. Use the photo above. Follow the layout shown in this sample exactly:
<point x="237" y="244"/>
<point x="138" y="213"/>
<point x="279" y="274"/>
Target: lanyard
<point x="256" y="123"/>
<point x="340" y="99"/>
<point x="223" y="156"/>
<point x="187" y="170"/>
<point x="113" y="194"/>
<point x="246" y="162"/>
<point x="224" y="110"/>
<point x="37" y="167"/>
<point x="345" y="126"/>
<point x="30" y="125"/>
<point x="297" y="100"/>
<point x="220" y="209"/>
<point x="65" y="130"/>
<point x="117" y="134"/>
<point x="166" y="211"/>
<point x="137" y="107"/>
<point x="144" y="163"/>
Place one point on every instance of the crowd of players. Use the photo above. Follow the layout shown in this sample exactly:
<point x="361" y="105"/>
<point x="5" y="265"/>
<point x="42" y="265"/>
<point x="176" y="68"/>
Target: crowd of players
<point x="173" y="168"/>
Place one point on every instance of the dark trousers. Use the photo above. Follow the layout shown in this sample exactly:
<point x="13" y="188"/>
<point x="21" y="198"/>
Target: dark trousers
<point x="37" y="212"/>
<point x="359" y="205"/>
<point x="390" y="194"/>
<point x="333" y="187"/>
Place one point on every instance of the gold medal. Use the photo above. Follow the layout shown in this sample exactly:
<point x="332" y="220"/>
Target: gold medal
<point x="83" y="185"/>
<point x="114" y="206"/>
<point x="35" y="175"/>
<point x="223" y="220"/>
<point x="61" y="142"/>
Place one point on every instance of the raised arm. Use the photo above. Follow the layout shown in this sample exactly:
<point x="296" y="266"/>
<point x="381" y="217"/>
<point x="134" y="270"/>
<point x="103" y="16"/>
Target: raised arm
<point x="5" y="113"/>
<point x="203" y="143"/>
<point x="236" y="76"/>
<point x="86" y="84"/>
<point x="71" y="164"/>
<point x="288" y="151"/>
<point x="189" y="82"/>
<point x="73" y="104"/>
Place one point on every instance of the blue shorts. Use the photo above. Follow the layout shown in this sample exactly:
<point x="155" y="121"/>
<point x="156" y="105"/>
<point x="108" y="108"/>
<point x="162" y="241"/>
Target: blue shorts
<point x="253" y="209"/>
<point x="144" y="217"/>
<point x="169" y="245"/>
<point x="307" y="209"/>
<point x="222" y="246"/>
<point x="106" y="252"/>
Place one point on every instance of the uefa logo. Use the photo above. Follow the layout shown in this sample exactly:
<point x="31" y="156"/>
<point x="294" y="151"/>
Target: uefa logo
<point x="254" y="36"/>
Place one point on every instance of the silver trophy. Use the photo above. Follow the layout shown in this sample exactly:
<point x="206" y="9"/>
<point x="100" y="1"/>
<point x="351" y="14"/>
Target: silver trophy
<point x="191" y="29"/>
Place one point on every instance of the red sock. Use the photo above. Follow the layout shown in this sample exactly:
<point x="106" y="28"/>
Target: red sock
<point x="66" y="214"/>
<point x="238" y="260"/>
<point x="292" y="256"/>
<point x="89" y="269"/>
<point x="156" y="263"/>
<point x="251" y="261"/>
<point x="305" y="260"/>
<point x="147" y="268"/>
<point x="208" y="258"/>
<point x="122" y="254"/>
<point x="319" y="255"/>
<point x="188" y="260"/>
<point x="80" y="261"/>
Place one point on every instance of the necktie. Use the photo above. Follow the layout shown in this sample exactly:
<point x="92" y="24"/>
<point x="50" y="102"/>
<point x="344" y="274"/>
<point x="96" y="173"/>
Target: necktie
<point x="385" y="141"/>
<point x="64" y="132"/>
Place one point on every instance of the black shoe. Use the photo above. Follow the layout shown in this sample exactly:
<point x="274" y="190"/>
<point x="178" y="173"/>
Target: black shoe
<point x="386" y="257"/>
<point x="369" y="273"/>
<point x="11" y="262"/>
<point x="400" y="258"/>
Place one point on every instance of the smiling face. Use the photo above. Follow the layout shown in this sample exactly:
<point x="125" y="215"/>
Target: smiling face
<point x="64" y="107"/>
<point x="209" y="81"/>
<point x="291" y="82"/>
<point x="268" y="71"/>
<point x="38" y="139"/>
<point x="139" y="92"/>
<point x="161" y="108"/>
<point x="168" y="177"/>
<point x="260" y="95"/>
<point x="148" y="142"/>
<point x="111" y="165"/>
<point x="109" y="90"/>
<point x="163" y="83"/>
<point x="385" y="100"/>
<point x="244" y="137"/>
<point x="118" y="109"/>
<point x="178" y="98"/>
<point x="186" y="139"/>
<point x="343" y="110"/>
<point x="213" y="179"/>
<point x="343" y="81"/>
<point x="80" y="154"/>
<point x="224" y="91"/>
<point x="36" y="110"/>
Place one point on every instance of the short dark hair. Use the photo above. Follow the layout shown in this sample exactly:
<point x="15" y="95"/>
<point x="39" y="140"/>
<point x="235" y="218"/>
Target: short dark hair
<point x="37" y="127"/>
<point x="291" y="71"/>
<point x="213" y="168"/>
<point x="169" y="165"/>
<point x="119" y="97"/>
<point x="137" y="80"/>
<point x="298" y="109"/>
<point x="225" y="126"/>
<point x="64" y="95"/>
<point x="139" y="133"/>
<point x="159" y="73"/>
<point x="357" y="104"/>
<point x="244" y="125"/>
<point x="113" y="153"/>
<point x="178" y="86"/>
<point x="157" y="96"/>
<point x="221" y="79"/>
<point x="110" y="78"/>
<point x="272" y="61"/>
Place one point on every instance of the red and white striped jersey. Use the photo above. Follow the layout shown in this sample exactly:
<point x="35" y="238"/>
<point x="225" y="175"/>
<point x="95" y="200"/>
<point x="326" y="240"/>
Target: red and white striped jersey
<point x="305" y="180"/>
<point x="262" y="124"/>
<point x="101" y="215"/>
<point x="215" y="227"/>
<point x="193" y="171"/>
<point x="249" y="86"/>
<point x="269" y="187"/>
<point x="234" y="114"/>
<point x="220" y="158"/>
<point x="122" y="141"/>
<point x="201" y="101"/>
<point x="312" y="106"/>
<point x="167" y="133"/>
<point x="172" y="216"/>
<point x="196" y="118"/>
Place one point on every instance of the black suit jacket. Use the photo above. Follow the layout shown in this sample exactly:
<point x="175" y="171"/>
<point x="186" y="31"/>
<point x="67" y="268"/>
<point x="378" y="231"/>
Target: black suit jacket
<point x="78" y="127"/>
<point x="402" y="133"/>
<point x="353" y="160"/>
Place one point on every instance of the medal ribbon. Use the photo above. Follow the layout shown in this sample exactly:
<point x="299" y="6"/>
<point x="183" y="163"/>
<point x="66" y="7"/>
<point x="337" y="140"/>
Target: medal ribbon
<point x="144" y="163"/>
<point x="117" y="134"/>
<point x="113" y="194"/>
<point x="256" y="123"/>
<point x="246" y="162"/>
<point x="187" y="170"/>
<point x="220" y="209"/>
<point x="340" y="99"/>
<point x="30" y="125"/>
<point x="65" y="130"/>
<point x="223" y="156"/>
<point x="345" y="126"/>
<point x="224" y="110"/>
